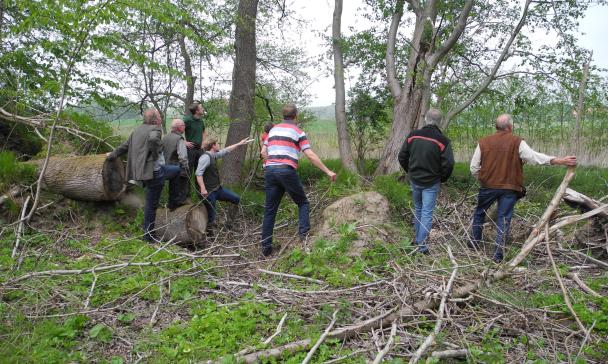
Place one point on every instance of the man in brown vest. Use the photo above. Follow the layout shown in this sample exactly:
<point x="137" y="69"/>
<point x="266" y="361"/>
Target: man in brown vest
<point x="498" y="165"/>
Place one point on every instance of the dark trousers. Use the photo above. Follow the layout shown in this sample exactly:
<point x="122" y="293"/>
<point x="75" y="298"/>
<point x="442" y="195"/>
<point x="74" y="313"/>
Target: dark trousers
<point x="178" y="190"/>
<point x="277" y="181"/>
<point x="154" y="187"/>
<point x="222" y="194"/>
<point x="506" y="202"/>
<point x="193" y="155"/>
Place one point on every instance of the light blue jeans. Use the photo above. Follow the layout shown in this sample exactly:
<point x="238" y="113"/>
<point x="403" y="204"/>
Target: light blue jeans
<point x="424" y="204"/>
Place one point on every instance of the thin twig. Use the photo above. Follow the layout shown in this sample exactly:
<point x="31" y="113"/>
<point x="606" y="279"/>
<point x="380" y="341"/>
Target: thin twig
<point x="444" y="296"/>
<point x="20" y="228"/>
<point x="561" y="283"/>
<point x="311" y="353"/>
<point x="277" y="331"/>
<point x="583" y="286"/>
<point x="86" y="302"/>
<point x="290" y="276"/>
<point x="388" y="345"/>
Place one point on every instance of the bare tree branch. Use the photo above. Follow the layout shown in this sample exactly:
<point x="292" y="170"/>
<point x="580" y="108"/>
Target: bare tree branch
<point x="391" y="72"/>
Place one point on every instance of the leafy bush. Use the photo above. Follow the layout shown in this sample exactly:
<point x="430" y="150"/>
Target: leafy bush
<point x="14" y="172"/>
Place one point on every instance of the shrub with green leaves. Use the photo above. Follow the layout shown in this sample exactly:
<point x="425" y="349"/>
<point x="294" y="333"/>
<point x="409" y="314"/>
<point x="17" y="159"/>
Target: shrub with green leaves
<point x="13" y="172"/>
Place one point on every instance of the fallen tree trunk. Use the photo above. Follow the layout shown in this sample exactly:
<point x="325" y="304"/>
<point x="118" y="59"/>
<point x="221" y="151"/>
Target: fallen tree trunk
<point x="583" y="202"/>
<point x="187" y="224"/>
<point x="85" y="178"/>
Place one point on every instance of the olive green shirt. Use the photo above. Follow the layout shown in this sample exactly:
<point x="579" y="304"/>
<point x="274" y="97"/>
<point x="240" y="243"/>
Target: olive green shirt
<point x="194" y="129"/>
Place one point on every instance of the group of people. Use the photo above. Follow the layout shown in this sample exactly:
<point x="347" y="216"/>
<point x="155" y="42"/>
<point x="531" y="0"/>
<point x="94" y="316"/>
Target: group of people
<point x="497" y="163"/>
<point x="153" y="159"/>
<point x="426" y="156"/>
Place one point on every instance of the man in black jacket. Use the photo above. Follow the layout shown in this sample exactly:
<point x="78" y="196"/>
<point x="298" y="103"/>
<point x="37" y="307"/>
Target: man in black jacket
<point x="428" y="159"/>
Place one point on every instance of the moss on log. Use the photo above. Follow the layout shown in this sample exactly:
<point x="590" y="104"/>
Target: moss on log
<point x="86" y="178"/>
<point x="187" y="224"/>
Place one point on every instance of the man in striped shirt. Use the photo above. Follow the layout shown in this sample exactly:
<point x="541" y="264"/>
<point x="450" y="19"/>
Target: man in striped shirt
<point x="281" y="150"/>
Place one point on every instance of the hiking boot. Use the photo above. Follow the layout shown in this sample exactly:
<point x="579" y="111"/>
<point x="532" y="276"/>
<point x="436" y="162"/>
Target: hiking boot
<point x="267" y="251"/>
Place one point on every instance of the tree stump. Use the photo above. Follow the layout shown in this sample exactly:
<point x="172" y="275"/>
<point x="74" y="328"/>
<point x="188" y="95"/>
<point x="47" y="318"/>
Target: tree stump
<point x="187" y="224"/>
<point x="86" y="178"/>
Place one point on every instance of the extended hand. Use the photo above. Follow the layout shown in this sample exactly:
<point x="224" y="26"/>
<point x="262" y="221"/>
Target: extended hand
<point x="189" y="145"/>
<point x="567" y="160"/>
<point x="243" y="142"/>
<point x="204" y="192"/>
<point x="332" y="176"/>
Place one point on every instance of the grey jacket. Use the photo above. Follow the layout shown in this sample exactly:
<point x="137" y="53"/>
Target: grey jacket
<point x="144" y="149"/>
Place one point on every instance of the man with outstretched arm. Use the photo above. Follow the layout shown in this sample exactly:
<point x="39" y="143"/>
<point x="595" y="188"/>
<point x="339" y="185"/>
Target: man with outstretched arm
<point x="175" y="153"/>
<point x="281" y="151"/>
<point x="427" y="158"/>
<point x="498" y="165"/>
<point x="146" y="163"/>
<point x="208" y="178"/>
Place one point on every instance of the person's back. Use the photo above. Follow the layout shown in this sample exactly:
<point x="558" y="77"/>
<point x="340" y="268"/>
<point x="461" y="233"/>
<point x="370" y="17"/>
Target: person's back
<point x="285" y="141"/>
<point x="501" y="166"/>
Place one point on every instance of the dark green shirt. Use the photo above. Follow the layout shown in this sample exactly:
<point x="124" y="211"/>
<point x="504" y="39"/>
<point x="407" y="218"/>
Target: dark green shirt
<point x="194" y="129"/>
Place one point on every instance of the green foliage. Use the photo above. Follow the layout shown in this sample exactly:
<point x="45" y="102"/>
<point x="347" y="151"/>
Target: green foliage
<point x="212" y="332"/>
<point x="13" y="172"/>
<point x="398" y="193"/>
<point x="48" y="341"/>
<point x="101" y="332"/>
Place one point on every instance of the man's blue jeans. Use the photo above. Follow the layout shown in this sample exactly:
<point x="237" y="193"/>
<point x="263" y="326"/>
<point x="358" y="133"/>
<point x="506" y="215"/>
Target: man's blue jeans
<point x="222" y="194"/>
<point x="425" y="199"/>
<point x="506" y="201"/>
<point x="277" y="181"/>
<point x="154" y="187"/>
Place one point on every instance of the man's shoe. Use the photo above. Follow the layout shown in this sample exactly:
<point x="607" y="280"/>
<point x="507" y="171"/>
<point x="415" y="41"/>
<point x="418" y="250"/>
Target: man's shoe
<point x="267" y="251"/>
<point x="423" y="251"/>
<point x="472" y="244"/>
<point x="497" y="259"/>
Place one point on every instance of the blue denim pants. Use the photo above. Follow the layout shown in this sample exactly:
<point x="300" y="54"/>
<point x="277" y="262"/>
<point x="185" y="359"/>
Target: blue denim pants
<point x="506" y="202"/>
<point x="221" y="194"/>
<point x="425" y="199"/>
<point x="154" y="187"/>
<point x="277" y="181"/>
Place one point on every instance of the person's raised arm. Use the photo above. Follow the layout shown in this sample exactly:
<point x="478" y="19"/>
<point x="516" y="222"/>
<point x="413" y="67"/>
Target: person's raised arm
<point x="316" y="161"/>
<point x="569" y="160"/>
<point x="475" y="166"/>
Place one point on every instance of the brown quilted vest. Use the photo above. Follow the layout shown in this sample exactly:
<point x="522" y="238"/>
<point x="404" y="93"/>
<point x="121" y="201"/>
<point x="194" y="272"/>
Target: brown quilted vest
<point x="501" y="166"/>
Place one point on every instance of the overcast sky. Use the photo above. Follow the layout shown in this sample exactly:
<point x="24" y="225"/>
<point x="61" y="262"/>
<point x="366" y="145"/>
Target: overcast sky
<point x="593" y="29"/>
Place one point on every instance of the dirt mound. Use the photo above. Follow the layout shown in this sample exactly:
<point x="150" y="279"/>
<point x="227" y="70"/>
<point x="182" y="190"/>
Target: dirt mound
<point x="368" y="210"/>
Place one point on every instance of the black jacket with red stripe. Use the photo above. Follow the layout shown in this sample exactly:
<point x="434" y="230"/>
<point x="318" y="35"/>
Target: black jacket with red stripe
<point x="426" y="156"/>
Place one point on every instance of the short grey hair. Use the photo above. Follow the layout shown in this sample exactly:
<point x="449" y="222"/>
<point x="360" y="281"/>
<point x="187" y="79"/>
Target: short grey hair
<point x="504" y="121"/>
<point x="176" y="123"/>
<point x="433" y="117"/>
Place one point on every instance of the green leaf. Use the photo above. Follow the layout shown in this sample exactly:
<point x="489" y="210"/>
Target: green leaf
<point x="101" y="333"/>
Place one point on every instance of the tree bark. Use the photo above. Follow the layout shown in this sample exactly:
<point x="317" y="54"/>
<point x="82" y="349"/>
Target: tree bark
<point x="412" y="99"/>
<point x="580" y="109"/>
<point x="85" y="178"/>
<point x="346" y="154"/>
<point x="241" y="111"/>
<point x="190" y="78"/>
<point x="186" y="224"/>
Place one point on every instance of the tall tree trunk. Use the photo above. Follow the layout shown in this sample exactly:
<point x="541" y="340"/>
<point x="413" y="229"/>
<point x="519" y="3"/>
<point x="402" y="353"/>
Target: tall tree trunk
<point x="241" y="110"/>
<point x="190" y="78"/>
<point x="580" y="109"/>
<point x="346" y="154"/>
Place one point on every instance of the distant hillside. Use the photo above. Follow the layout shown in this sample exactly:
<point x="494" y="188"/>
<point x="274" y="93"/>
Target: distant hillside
<point x="323" y="112"/>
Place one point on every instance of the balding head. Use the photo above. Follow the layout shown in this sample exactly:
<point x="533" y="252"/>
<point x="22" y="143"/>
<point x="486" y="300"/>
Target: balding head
<point x="152" y="117"/>
<point x="177" y="125"/>
<point x="433" y="117"/>
<point x="504" y="122"/>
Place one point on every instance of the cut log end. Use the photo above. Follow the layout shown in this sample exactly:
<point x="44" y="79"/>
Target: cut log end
<point x="113" y="178"/>
<point x="186" y="224"/>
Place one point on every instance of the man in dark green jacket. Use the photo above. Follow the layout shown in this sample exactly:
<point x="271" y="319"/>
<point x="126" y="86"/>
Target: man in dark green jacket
<point x="146" y="163"/>
<point x="196" y="134"/>
<point x="428" y="159"/>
